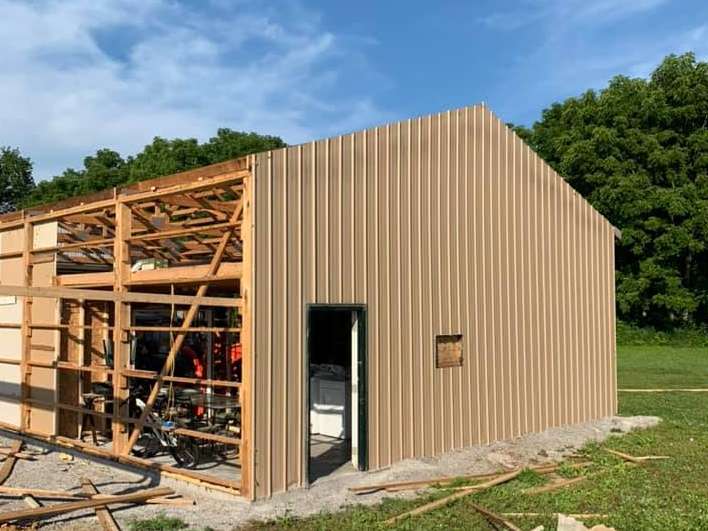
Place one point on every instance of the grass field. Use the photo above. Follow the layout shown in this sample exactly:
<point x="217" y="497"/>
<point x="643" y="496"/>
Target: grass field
<point x="660" y="495"/>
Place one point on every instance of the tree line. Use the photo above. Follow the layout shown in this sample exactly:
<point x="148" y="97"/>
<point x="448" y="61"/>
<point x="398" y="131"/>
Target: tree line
<point x="107" y="168"/>
<point x="637" y="150"/>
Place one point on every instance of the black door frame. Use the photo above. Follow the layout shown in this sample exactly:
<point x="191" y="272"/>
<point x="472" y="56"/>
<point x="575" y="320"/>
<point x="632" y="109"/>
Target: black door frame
<point x="362" y="389"/>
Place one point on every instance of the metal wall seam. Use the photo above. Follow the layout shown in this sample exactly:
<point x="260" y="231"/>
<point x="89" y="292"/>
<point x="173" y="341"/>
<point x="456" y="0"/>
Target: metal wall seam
<point x="511" y="371"/>
<point x="376" y="314"/>
<point x="484" y="254"/>
<point x="409" y="334"/>
<point x="419" y="302"/>
<point x="395" y="285"/>
<point x="514" y="323"/>
<point x="526" y="252"/>
<point x="301" y="291"/>
<point x="429" y="303"/>
<point x="525" y="285"/>
<point x="465" y="265"/>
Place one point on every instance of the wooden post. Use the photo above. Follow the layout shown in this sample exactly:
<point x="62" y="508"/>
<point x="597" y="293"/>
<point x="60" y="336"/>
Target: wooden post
<point x="121" y="319"/>
<point x="245" y="392"/>
<point x="25" y="369"/>
<point x="179" y="338"/>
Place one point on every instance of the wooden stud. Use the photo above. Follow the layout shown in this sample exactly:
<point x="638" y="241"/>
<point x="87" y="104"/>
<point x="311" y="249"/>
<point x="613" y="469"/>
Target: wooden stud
<point x="121" y="319"/>
<point x="247" y="366"/>
<point x="27" y="242"/>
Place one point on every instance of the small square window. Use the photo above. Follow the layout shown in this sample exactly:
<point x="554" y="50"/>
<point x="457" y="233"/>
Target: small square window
<point x="448" y="351"/>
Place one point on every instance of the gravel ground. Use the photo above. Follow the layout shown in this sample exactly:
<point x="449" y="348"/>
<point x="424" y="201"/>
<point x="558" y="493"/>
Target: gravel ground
<point x="220" y="511"/>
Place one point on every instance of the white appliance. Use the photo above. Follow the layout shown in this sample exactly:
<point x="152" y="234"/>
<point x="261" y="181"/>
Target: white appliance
<point x="330" y="407"/>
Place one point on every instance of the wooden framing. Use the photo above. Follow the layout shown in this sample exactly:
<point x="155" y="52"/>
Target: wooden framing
<point x="187" y="234"/>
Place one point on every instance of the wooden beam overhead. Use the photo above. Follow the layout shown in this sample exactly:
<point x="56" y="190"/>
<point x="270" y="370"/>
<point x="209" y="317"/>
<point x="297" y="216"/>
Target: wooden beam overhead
<point x="98" y="295"/>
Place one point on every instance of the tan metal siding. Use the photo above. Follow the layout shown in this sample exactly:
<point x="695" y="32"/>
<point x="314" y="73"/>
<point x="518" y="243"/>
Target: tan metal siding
<point x="439" y="225"/>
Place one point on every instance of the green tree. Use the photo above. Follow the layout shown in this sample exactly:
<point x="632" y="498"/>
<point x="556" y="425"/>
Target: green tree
<point x="103" y="170"/>
<point x="638" y="151"/>
<point x="107" y="168"/>
<point x="15" y="178"/>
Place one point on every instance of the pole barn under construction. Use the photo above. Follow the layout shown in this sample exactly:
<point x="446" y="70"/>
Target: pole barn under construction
<point x="258" y="324"/>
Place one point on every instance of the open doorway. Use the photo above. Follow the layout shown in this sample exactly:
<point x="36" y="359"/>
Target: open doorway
<point x="336" y="383"/>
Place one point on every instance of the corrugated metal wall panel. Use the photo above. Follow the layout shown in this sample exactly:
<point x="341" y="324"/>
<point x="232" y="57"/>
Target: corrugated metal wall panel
<point x="440" y="225"/>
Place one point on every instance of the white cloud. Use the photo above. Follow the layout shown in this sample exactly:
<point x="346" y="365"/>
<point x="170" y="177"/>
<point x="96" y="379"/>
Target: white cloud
<point x="567" y="12"/>
<point x="76" y="75"/>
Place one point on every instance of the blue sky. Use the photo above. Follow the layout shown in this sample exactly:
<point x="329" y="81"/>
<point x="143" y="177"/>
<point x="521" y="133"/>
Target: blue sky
<point x="77" y="75"/>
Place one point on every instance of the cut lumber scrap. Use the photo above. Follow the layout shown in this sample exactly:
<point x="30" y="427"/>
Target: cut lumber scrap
<point x="31" y="501"/>
<point x="63" y="508"/>
<point x="635" y="459"/>
<point x="423" y="483"/>
<point x="45" y="494"/>
<point x="18" y="455"/>
<point x="20" y="492"/>
<point x="172" y="500"/>
<point x="624" y="456"/>
<point x="9" y="463"/>
<point x="442" y="502"/>
<point x="495" y="519"/>
<point x="683" y="390"/>
<point x="555" y="486"/>
<point x="105" y="518"/>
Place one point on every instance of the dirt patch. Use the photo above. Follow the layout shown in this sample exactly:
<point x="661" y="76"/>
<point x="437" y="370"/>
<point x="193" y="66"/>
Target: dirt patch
<point x="220" y="511"/>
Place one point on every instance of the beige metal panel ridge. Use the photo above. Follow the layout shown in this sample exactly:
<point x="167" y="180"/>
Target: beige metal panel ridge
<point x="440" y="224"/>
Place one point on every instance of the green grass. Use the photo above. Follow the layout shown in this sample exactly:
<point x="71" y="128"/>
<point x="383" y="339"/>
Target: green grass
<point x="158" y="523"/>
<point x="662" y="367"/>
<point x="660" y="495"/>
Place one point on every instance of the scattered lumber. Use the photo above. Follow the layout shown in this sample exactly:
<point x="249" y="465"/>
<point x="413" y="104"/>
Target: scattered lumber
<point x="456" y="496"/>
<point x="9" y="463"/>
<point x="172" y="500"/>
<point x="63" y="508"/>
<point x="23" y="492"/>
<point x="6" y="451"/>
<point x="442" y="481"/>
<point x="635" y="459"/>
<point x="105" y="518"/>
<point x="555" y="486"/>
<point x="495" y="519"/>
<point x="20" y="492"/>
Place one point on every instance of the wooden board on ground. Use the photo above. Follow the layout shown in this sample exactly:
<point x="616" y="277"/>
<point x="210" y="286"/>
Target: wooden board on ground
<point x="9" y="463"/>
<point x="495" y="519"/>
<point x="452" y="497"/>
<point x="63" y="508"/>
<point x="424" y="483"/>
<point x="555" y="486"/>
<point x="108" y="523"/>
